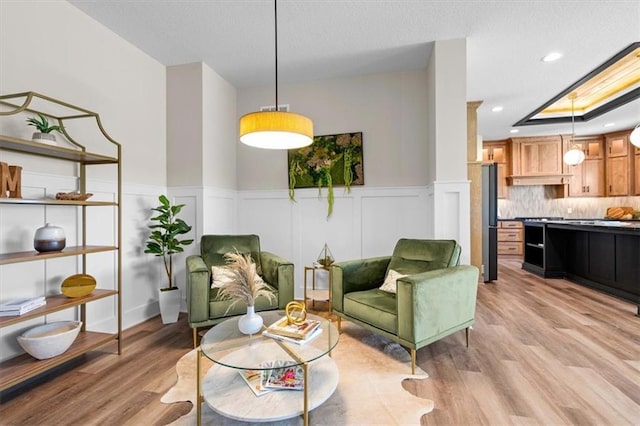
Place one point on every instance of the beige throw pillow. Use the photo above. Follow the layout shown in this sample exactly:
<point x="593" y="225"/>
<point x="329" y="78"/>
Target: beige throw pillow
<point x="389" y="284"/>
<point x="220" y="276"/>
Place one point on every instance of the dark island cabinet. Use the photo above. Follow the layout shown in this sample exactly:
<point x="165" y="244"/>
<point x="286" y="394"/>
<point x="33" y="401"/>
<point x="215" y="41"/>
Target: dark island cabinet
<point x="606" y="258"/>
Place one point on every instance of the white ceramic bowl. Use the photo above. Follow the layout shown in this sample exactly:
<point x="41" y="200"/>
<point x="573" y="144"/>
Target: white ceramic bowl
<point x="49" y="340"/>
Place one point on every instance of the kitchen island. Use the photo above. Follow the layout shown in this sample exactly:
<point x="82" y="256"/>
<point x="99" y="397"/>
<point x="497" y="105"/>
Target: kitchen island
<point x="601" y="254"/>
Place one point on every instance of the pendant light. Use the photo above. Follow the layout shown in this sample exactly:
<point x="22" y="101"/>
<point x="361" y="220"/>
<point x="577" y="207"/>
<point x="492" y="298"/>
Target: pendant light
<point x="575" y="155"/>
<point x="276" y="129"/>
<point x="634" y="137"/>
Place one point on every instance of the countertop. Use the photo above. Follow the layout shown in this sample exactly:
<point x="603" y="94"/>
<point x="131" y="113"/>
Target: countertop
<point x="632" y="225"/>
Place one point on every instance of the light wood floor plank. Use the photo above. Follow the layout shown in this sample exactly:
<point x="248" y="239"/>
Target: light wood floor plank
<point x="542" y="352"/>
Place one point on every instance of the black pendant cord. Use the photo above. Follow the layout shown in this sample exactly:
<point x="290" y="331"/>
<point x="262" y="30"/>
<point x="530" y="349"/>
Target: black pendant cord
<point x="275" y="12"/>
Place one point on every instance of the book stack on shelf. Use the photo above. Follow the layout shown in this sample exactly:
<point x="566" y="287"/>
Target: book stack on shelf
<point x="281" y="375"/>
<point x="299" y="334"/>
<point x="21" y="306"/>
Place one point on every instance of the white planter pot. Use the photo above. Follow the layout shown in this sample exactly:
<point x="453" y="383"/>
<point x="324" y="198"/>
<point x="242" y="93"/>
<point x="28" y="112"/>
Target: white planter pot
<point x="169" y="305"/>
<point x="46" y="138"/>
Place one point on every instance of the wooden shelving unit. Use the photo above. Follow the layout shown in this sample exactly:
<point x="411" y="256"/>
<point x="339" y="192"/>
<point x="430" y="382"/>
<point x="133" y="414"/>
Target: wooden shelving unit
<point x="23" y="367"/>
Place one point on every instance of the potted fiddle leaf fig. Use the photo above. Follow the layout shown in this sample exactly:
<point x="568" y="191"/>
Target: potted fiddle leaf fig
<point x="164" y="241"/>
<point x="43" y="134"/>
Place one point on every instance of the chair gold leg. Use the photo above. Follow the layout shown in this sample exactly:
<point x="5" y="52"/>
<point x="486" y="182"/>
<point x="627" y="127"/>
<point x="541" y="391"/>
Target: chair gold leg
<point x="413" y="361"/>
<point x="195" y="337"/>
<point x="339" y="325"/>
<point x="466" y="332"/>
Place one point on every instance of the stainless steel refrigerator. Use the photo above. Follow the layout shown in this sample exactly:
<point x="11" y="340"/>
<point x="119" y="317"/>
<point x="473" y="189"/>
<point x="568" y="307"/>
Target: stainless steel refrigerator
<point x="490" y="222"/>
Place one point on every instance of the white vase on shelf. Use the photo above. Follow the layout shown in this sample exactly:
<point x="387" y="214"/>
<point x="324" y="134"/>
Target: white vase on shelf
<point x="250" y="323"/>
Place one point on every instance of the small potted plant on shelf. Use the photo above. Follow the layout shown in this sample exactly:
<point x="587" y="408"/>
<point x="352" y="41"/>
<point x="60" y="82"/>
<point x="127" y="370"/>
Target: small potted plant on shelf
<point x="43" y="134"/>
<point x="164" y="242"/>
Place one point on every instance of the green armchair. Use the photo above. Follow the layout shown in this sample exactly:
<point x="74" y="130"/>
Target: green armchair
<point x="204" y="308"/>
<point x="436" y="298"/>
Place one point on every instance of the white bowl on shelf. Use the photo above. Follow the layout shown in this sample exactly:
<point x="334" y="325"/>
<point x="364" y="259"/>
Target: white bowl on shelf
<point x="49" y="340"/>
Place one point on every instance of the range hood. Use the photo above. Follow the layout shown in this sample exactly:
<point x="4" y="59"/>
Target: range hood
<point x="557" y="179"/>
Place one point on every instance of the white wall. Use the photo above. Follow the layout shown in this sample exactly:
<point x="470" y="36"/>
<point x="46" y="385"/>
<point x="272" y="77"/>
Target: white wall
<point x="53" y="48"/>
<point x="184" y="125"/>
<point x="388" y="108"/>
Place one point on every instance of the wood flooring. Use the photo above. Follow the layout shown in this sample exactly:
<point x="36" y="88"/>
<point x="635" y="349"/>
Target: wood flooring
<point x="541" y="352"/>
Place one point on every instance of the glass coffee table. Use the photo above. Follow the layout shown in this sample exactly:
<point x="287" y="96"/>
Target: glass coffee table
<point x="225" y="391"/>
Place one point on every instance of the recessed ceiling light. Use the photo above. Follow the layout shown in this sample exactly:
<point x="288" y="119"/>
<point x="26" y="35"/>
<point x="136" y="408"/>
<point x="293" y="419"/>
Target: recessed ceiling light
<point x="514" y="131"/>
<point x="609" y="124"/>
<point x="496" y="109"/>
<point x="553" y="56"/>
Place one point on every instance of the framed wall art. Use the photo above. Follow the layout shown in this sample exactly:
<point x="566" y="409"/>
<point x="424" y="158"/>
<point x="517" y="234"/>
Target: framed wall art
<point x="331" y="160"/>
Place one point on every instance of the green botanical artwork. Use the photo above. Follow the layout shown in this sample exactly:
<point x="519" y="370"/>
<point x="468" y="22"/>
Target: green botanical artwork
<point x="332" y="160"/>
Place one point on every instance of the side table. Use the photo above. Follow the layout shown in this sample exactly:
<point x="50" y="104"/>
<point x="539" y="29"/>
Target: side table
<point x="317" y="294"/>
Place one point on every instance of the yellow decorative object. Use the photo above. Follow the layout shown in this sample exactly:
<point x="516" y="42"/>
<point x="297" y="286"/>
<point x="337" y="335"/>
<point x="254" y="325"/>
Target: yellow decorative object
<point x="276" y="130"/>
<point x="296" y="312"/>
<point x="78" y="285"/>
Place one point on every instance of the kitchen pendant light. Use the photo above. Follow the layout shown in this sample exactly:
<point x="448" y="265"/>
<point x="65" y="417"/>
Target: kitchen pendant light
<point x="276" y="129"/>
<point x="634" y="137"/>
<point x="575" y="155"/>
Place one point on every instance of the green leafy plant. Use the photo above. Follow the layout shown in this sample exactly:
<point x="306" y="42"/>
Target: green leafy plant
<point x="165" y="229"/>
<point x="331" y="160"/>
<point x="42" y="124"/>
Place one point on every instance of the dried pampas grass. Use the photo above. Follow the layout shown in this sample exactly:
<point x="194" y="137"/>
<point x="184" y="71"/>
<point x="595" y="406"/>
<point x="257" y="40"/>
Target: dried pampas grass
<point x="245" y="284"/>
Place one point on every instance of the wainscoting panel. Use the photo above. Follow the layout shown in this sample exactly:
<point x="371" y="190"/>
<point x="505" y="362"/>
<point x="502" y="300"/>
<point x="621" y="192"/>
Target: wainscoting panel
<point x="451" y="202"/>
<point x="365" y="222"/>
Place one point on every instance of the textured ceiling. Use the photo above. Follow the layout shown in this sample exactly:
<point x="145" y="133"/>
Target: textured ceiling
<point x="324" y="39"/>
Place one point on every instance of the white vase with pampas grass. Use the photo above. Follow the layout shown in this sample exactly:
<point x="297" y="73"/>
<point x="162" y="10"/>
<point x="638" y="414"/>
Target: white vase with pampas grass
<point x="244" y="285"/>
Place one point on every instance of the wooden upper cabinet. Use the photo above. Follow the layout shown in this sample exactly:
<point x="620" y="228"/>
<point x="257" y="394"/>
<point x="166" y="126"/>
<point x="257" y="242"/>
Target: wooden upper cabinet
<point x="618" y="145"/>
<point x="619" y="164"/>
<point x="588" y="178"/>
<point x="494" y="152"/>
<point x="498" y="152"/>
<point x="637" y="172"/>
<point x="537" y="156"/>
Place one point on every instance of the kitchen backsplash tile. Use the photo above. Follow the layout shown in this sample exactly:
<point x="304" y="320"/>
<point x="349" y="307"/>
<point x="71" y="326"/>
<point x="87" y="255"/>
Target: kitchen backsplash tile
<point x="538" y="201"/>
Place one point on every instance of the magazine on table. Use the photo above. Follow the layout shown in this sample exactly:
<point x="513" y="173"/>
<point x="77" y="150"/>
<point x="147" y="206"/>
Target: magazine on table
<point x="303" y="330"/>
<point x="256" y="379"/>
<point x="283" y="375"/>
<point x="312" y="336"/>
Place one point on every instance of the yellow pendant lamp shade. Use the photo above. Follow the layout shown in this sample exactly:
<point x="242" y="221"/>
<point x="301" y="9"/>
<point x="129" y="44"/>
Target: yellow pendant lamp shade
<point x="276" y="130"/>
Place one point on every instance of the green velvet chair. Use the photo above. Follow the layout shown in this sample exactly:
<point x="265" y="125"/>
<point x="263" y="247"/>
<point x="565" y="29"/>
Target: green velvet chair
<point x="435" y="299"/>
<point x="204" y="308"/>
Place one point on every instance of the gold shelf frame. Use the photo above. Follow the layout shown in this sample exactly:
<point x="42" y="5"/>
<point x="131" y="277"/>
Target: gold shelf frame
<point x="22" y="102"/>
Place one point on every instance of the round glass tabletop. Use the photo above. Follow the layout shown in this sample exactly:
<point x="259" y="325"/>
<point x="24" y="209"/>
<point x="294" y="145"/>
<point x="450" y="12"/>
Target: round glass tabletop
<point x="224" y="344"/>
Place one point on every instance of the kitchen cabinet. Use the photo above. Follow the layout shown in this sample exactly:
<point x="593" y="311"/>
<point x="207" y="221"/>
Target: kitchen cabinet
<point x="540" y="156"/>
<point x="510" y="237"/>
<point x="636" y="172"/>
<point x="498" y="152"/>
<point x="494" y="152"/>
<point x="24" y="367"/>
<point x="537" y="161"/>
<point x="587" y="178"/>
<point x="597" y="255"/>
<point x="618" y="164"/>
